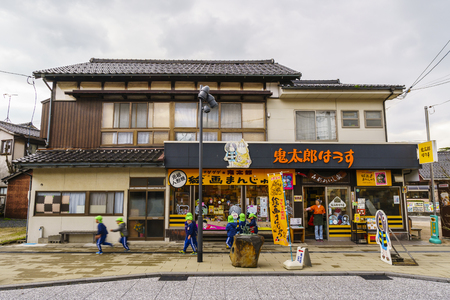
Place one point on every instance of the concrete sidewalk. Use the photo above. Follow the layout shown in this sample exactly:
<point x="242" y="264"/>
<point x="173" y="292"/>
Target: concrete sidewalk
<point x="38" y="263"/>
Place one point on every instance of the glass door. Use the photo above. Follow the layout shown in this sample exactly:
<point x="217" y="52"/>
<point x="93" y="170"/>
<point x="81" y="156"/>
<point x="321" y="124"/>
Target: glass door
<point x="338" y="212"/>
<point x="146" y="215"/>
<point x="310" y="195"/>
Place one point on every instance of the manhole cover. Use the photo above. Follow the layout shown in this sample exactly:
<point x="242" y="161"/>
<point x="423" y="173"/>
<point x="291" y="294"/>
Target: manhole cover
<point x="376" y="277"/>
<point x="173" y="278"/>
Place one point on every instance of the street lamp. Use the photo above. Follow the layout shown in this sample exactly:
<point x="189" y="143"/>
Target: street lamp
<point x="209" y="102"/>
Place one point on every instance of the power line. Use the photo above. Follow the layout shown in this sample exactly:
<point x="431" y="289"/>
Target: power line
<point x="433" y="67"/>
<point x="439" y="103"/>
<point x="12" y="73"/>
<point x="416" y="81"/>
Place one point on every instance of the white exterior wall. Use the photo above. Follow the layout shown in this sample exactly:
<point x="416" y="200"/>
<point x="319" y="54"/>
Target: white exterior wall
<point x="281" y="124"/>
<point x="82" y="179"/>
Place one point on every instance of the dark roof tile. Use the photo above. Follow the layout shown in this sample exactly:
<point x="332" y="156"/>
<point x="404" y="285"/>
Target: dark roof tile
<point x="94" y="156"/>
<point x="336" y="85"/>
<point x="21" y="129"/>
<point x="98" y="66"/>
<point x="441" y="168"/>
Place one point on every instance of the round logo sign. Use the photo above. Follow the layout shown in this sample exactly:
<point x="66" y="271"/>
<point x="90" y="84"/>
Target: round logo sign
<point x="177" y="179"/>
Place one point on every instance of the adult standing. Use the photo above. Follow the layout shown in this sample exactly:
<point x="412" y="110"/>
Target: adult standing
<point x="318" y="210"/>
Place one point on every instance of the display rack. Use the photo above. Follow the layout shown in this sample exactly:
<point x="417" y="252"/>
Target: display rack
<point x="359" y="232"/>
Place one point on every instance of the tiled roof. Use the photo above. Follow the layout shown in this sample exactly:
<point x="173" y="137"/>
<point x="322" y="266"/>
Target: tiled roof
<point x="337" y="85"/>
<point x="95" y="157"/>
<point x="97" y="66"/>
<point x="20" y="129"/>
<point x="441" y="168"/>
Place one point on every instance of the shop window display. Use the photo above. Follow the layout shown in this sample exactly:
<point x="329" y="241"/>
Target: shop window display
<point x="386" y="199"/>
<point x="338" y="206"/>
<point x="179" y="200"/>
<point x="257" y="202"/>
<point x="218" y="199"/>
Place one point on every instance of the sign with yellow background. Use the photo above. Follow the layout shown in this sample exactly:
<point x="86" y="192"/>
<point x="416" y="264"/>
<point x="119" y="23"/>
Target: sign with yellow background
<point x="373" y="178"/>
<point x="277" y="210"/>
<point x="230" y="176"/>
<point x="427" y="152"/>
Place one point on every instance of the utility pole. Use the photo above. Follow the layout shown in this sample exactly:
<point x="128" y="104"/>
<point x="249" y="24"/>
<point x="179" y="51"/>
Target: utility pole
<point x="436" y="239"/>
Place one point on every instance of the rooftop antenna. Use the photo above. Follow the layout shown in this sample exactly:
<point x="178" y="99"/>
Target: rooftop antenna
<point x="9" y="103"/>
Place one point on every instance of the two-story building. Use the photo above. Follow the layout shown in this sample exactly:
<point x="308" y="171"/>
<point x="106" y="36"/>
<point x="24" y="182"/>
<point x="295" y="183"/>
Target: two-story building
<point x="117" y="129"/>
<point x="16" y="141"/>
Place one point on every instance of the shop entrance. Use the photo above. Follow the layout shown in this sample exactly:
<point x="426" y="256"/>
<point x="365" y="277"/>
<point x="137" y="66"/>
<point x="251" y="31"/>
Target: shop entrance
<point x="338" y="211"/>
<point x="146" y="215"/>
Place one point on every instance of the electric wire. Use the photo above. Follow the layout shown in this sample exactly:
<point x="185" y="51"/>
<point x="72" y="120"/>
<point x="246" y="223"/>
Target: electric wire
<point x="417" y="80"/>
<point x="12" y="73"/>
<point x="432" y="68"/>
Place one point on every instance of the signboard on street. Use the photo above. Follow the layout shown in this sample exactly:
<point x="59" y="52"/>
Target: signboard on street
<point x="428" y="152"/>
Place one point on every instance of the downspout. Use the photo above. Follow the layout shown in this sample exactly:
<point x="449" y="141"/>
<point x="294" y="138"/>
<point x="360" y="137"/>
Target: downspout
<point x="29" y="200"/>
<point x="384" y="114"/>
<point x="52" y="96"/>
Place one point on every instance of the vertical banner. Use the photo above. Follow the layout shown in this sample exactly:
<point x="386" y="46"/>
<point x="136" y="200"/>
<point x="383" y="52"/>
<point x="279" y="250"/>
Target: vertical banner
<point x="277" y="210"/>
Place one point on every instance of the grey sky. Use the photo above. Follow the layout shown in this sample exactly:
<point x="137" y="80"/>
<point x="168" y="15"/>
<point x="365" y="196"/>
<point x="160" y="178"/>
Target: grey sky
<point x="356" y="41"/>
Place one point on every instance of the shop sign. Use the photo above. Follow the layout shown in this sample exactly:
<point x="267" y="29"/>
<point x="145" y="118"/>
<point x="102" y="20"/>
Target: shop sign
<point x="373" y="178"/>
<point x="312" y="156"/>
<point x="331" y="179"/>
<point x="263" y="207"/>
<point x="277" y="210"/>
<point x="229" y="177"/>
<point x="298" y="198"/>
<point x="383" y="238"/>
<point x="177" y="179"/>
<point x="237" y="154"/>
<point x="427" y="152"/>
<point x="337" y="203"/>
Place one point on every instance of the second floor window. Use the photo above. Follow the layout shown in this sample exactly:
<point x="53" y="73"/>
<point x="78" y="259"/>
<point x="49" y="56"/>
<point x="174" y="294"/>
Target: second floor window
<point x="350" y="118"/>
<point x="142" y="124"/>
<point x="6" y="147"/>
<point x="373" y="118"/>
<point x="316" y="125"/>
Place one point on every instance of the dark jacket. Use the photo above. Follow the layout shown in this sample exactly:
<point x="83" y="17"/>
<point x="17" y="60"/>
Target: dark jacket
<point x="242" y="224"/>
<point x="122" y="228"/>
<point x="191" y="230"/>
<point x="186" y="225"/>
<point x="101" y="229"/>
<point x="231" y="229"/>
<point x="253" y="225"/>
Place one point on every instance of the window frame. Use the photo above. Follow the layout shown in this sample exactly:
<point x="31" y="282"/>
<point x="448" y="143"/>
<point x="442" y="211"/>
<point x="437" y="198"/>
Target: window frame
<point x="2" y="145"/>
<point x="315" y="125"/>
<point x="172" y="130"/>
<point x="87" y="204"/>
<point x="381" y="118"/>
<point x="88" y="209"/>
<point x="352" y="119"/>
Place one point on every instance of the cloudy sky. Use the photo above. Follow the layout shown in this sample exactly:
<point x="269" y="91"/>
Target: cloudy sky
<point x="384" y="41"/>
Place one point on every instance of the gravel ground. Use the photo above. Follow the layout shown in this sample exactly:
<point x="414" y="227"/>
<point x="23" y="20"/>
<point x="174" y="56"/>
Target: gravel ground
<point x="245" y="287"/>
<point x="12" y="223"/>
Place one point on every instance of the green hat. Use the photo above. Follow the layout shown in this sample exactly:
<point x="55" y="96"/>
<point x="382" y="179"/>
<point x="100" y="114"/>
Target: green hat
<point x="242" y="217"/>
<point x="99" y="218"/>
<point x="230" y="219"/>
<point x="252" y="216"/>
<point x="189" y="218"/>
<point x="188" y="215"/>
<point x="119" y="219"/>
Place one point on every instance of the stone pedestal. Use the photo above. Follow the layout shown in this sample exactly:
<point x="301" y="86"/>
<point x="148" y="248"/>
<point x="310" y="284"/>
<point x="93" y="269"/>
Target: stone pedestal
<point x="245" y="250"/>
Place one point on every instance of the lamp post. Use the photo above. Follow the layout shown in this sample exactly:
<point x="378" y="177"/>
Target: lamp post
<point x="203" y="96"/>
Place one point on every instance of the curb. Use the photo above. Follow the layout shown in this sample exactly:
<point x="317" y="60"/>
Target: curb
<point x="215" y="274"/>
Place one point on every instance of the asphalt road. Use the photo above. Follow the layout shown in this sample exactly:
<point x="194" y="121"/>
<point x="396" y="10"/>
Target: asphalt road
<point x="258" y="287"/>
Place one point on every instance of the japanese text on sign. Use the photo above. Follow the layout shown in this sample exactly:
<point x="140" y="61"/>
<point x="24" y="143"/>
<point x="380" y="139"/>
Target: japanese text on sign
<point x="229" y="176"/>
<point x="277" y="210"/>
<point x="297" y="156"/>
<point x="427" y="152"/>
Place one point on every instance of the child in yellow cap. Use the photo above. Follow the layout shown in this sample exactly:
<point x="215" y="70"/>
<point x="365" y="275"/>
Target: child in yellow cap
<point x="232" y="228"/>
<point x="123" y="233"/>
<point x="102" y="232"/>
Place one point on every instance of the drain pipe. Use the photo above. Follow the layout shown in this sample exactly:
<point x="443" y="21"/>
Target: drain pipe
<point x="52" y="97"/>
<point x="384" y="114"/>
<point x="29" y="200"/>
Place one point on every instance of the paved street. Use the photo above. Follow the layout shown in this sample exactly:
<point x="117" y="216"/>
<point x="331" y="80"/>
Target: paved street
<point x="260" y="287"/>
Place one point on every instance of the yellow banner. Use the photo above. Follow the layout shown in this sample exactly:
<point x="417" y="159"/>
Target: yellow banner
<point x="427" y="152"/>
<point x="230" y="176"/>
<point x="373" y="178"/>
<point x="277" y="210"/>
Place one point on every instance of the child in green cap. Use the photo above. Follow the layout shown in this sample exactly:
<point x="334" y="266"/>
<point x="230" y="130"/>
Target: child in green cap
<point x="102" y="232"/>
<point x="191" y="237"/>
<point x="195" y="226"/>
<point x="231" y="228"/>
<point x="242" y="222"/>
<point x="123" y="233"/>
<point x="253" y="226"/>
